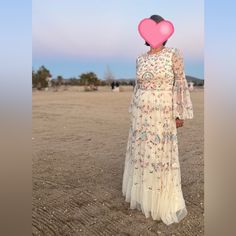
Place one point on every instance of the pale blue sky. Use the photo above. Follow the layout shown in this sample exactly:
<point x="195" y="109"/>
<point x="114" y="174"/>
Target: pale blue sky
<point x="71" y="37"/>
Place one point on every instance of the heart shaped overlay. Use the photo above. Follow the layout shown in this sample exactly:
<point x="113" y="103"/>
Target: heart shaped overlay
<point x="155" y="33"/>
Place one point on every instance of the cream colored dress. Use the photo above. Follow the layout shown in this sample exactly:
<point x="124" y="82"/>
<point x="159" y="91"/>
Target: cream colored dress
<point x="151" y="178"/>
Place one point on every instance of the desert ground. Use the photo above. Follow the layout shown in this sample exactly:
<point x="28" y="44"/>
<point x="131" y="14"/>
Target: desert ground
<point x="79" y="142"/>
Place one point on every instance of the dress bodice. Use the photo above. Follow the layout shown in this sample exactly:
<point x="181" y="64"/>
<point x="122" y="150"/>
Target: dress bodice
<point x="155" y="71"/>
<point x="164" y="71"/>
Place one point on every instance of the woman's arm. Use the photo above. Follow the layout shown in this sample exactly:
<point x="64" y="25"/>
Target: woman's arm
<point x="182" y="104"/>
<point x="133" y="96"/>
<point x="134" y="90"/>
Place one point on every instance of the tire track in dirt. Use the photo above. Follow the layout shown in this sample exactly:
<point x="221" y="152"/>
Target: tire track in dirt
<point x="95" y="217"/>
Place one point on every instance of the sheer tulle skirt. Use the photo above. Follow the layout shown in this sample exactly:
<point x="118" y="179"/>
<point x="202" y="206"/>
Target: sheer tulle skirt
<point x="151" y="177"/>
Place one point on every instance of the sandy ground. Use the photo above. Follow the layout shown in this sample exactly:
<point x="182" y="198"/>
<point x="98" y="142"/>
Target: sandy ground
<point x="79" y="141"/>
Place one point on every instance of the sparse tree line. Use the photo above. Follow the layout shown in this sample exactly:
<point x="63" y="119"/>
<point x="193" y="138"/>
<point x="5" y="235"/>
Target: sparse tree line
<point x="42" y="78"/>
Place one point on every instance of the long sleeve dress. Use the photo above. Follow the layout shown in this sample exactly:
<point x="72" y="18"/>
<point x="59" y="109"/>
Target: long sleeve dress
<point x="151" y="177"/>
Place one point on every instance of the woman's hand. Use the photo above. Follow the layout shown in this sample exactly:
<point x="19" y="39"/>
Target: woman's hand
<point x="179" y="122"/>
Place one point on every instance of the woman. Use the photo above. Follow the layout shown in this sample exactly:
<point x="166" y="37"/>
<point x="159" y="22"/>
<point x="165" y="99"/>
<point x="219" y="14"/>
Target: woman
<point x="160" y="104"/>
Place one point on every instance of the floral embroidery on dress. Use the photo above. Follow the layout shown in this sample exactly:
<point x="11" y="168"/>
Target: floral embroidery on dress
<point x="151" y="177"/>
<point x="182" y="104"/>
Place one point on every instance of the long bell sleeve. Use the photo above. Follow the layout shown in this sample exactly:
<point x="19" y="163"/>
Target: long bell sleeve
<point x="133" y="97"/>
<point x="132" y="101"/>
<point x="182" y="104"/>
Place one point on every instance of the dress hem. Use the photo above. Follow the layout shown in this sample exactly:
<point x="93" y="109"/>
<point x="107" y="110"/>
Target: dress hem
<point x="182" y="212"/>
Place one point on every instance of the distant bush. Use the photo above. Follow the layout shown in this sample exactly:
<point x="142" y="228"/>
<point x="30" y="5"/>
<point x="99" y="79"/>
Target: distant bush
<point x="89" y="79"/>
<point x="40" y="78"/>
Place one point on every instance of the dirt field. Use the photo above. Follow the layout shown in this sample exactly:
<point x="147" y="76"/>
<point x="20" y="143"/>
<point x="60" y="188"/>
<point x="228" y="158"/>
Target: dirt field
<point x="79" y="141"/>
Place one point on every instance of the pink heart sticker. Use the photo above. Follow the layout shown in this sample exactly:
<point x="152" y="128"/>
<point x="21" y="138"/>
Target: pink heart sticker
<point x="155" y="33"/>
